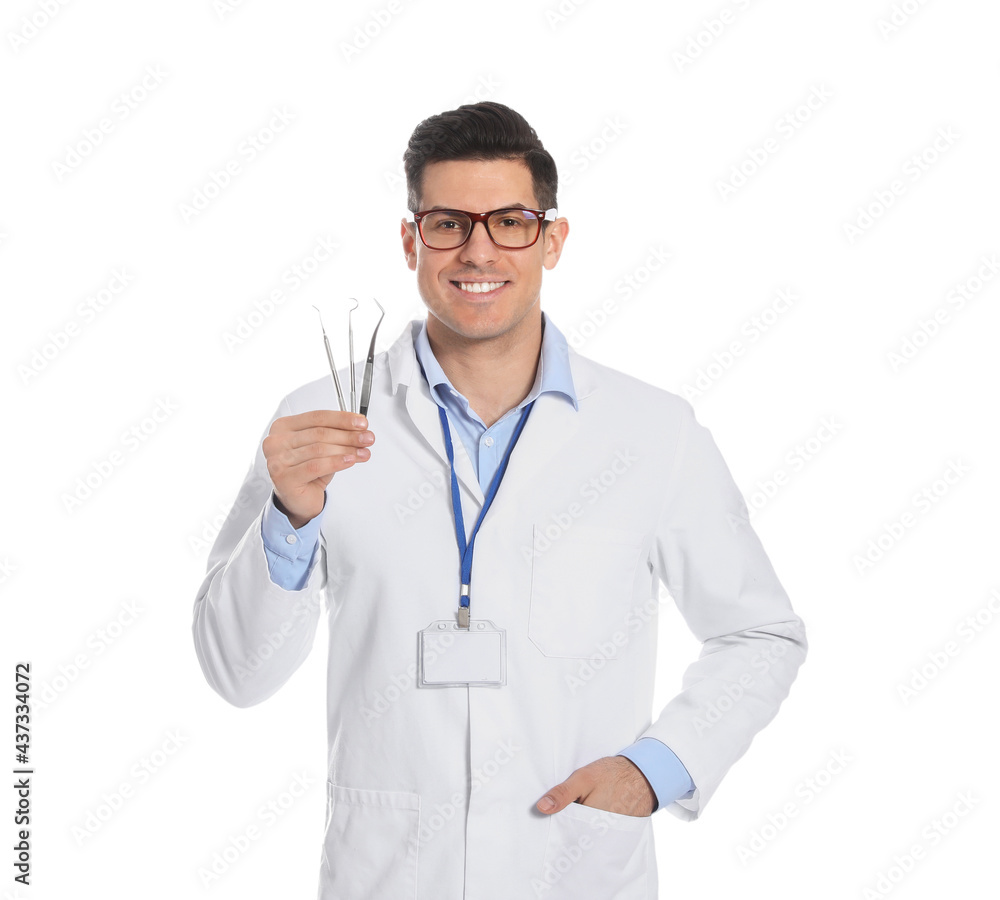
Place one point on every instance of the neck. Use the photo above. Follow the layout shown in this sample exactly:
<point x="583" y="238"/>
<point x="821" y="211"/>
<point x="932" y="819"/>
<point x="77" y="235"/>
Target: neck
<point x="493" y="374"/>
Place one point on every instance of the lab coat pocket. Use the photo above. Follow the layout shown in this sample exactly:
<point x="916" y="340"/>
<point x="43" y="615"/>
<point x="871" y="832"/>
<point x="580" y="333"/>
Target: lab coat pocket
<point x="370" y="850"/>
<point x="595" y="853"/>
<point x="581" y="589"/>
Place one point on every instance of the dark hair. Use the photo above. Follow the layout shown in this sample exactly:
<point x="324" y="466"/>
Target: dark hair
<point x="486" y="130"/>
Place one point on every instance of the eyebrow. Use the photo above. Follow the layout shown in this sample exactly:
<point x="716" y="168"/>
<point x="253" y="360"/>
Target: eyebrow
<point x="508" y="206"/>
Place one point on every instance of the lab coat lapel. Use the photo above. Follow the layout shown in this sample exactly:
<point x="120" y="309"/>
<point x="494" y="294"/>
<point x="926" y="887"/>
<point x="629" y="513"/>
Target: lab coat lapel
<point x="553" y="427"/>
<point x="423" y="412"/>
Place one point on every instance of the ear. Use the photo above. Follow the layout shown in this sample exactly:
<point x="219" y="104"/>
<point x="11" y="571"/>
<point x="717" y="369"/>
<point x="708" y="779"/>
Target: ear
<point x="555" y="237"/>
<point x="408" y="232"/>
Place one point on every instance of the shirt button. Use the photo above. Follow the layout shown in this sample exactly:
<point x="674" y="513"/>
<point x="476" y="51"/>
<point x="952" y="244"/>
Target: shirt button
<point x="291" y="538"/>
<point x="488" y="441"/>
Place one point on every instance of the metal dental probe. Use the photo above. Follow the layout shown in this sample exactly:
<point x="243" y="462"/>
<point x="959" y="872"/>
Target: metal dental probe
<point x="366" y="384"/>
<point x="333" y="367"/>
<point x="350" y="341"/>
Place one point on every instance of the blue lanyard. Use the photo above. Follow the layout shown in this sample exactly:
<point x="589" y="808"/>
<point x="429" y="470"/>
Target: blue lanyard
<point x="465" y="550"/>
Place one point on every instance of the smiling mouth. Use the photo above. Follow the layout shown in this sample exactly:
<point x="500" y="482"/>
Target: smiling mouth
<point x="479" y="287"/>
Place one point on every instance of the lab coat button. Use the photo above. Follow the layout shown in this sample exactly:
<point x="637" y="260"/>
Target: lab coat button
<point x="291" y="538"/>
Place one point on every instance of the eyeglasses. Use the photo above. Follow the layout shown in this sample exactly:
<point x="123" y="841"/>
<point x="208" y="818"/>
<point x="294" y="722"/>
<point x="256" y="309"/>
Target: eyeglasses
<point x="514" y="228"/>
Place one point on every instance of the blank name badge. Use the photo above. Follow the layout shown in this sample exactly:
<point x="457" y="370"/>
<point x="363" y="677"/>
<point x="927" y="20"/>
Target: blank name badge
<point x="449" y="656"/>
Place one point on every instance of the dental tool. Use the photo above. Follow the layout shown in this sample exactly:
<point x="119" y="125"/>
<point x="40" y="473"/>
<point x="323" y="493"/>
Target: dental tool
<point x="333" y="366"/>
<point x="366" y="383"/>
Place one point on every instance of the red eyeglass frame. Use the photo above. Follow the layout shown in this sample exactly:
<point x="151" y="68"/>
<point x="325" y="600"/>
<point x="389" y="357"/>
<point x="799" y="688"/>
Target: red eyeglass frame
<point x="544" y="215"/>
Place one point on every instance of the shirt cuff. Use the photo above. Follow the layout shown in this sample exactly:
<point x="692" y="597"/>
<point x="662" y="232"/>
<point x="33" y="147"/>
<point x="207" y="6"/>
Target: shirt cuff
<point x="289" y="551"/>
<point x="663" y="770"/>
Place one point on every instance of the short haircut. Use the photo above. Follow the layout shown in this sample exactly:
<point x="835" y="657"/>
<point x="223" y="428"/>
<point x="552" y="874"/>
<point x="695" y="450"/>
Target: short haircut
<point x="486" y="131"/>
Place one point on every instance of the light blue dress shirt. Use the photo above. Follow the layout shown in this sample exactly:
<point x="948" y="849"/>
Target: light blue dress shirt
<point x="290" y="552"/>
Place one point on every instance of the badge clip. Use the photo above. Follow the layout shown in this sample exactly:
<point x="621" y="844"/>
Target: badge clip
<point x="463" y="609"/>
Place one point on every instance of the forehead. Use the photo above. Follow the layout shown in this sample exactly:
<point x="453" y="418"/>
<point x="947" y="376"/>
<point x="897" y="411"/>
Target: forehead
<point x="477" y="185"/>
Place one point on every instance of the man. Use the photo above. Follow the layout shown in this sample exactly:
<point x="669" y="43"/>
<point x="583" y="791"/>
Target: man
<point x="490" y="725"/>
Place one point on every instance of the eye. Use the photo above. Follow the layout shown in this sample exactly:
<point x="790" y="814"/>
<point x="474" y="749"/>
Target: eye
<point x="513" y="218"/>
<point x="445" y="221"/>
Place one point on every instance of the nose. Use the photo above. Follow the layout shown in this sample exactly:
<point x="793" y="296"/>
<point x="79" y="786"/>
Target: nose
<point x="479" y="248"/>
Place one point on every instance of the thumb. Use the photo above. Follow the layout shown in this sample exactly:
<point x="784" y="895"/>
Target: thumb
<point x="559" y="797"/>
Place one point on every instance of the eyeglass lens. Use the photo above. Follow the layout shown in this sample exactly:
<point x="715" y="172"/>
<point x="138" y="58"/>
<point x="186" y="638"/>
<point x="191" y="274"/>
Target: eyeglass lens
<point x="512" y="228"/>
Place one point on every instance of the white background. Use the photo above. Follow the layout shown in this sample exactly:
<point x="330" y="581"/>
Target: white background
<point x="643" y="138"/>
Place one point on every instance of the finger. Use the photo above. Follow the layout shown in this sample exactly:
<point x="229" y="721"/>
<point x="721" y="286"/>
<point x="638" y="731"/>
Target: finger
<point x="356" y="448"/>
<point x="578" y="784"/>
<point x="325" y="418"/>
<point x="315" y="467"/>
<point x="319" y="434"/>
<point x="294" y="446"/>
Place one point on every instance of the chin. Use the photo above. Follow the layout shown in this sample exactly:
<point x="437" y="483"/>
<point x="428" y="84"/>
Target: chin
<point x="475" y="323"/>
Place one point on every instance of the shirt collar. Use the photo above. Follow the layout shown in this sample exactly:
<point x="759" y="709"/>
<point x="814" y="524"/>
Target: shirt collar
<point x="553" y="375"/>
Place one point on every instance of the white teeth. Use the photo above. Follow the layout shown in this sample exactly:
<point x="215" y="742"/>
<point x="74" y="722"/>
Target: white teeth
<point x="480" y="287"/>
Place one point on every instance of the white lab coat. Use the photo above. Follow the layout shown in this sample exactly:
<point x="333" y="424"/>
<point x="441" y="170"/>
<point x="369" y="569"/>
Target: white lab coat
<point x="431" y="791"/>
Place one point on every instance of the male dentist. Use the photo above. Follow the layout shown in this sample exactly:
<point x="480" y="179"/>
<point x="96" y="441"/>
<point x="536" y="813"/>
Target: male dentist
<point x="492" y="648"/>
